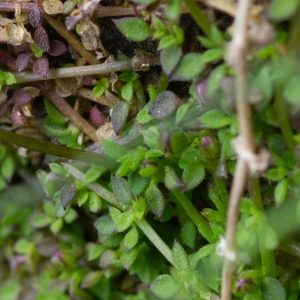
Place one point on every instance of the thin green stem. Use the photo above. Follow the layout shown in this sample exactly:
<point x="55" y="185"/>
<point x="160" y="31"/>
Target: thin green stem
<point x="110" y="198"/>
<point x="267" y="256"/>
<point x="221" y="190"/>
<point x="199" y="16"/>
<point x="283" y="118"/>
<point x="294" y="33"/>
<point x="195" y="216"/>
<point x="155" y="239"/>
<point x="52" y="149"/>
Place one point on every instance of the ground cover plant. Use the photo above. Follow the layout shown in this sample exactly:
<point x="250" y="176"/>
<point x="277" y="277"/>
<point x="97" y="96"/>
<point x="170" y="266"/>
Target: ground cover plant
<point x="149" y="149"/>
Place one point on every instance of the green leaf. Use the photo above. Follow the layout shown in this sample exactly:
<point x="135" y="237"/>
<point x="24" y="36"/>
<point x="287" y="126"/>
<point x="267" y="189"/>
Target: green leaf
<point x="125" y="220"/>
<point x="169" y="58"/>
<point x="292" y="91"/>
<point x="155" y="200"/>
<point x="94" y="251"/>
<point x="212" y="55"/>
<point x="94" y="202"/>
<point x="113" y="149"/>
<point x="127" y="91"/>
<point x="188" y="234"/>
<point x="9" y="78"/>
<point x="167" y="41"/>
<point x="283" y="10"/>
<point x="190" y="156"/>
<point x="272" y="289"/>
<point x="214" y="80"/>
<point x="165" y="286"/>
<point x="98" y="90"/>
<point x="82" y="198"/>
<point x="190" y="66"/>
<point x="215" y="119"/>
<point x="180" y="258"/>
<point x="90" y="279"/>
<point x="193" y="174"/>
<point x="9" y="290"/>
<point x="57" y="169"/>
<point x="23" y="246"/>
<point x="135" y="29"/>
<point x="8" y="167"/>
<point x="38" y="52"/>
<point x="150" y="136"/>
<point x="205" y="42"/>
<point x="148" y="171"/>
<point x="182" y="111"/>
<point x="137" y="183"/>
<point x="40" y="220"/>
<point x="131" y="238"/>
<point x="114" y="213"/>
<point x="217" y="36"/>
<point x="121" y="190"/>
<point x="105" y="225"/>
<point x="56" y="226"/>
<point x="119" y="115"/>
<point x="128" y="258"/>
<point x="171" y="179"/>
<point x="91" y="175"/>
<point x="280" y="192"/>
<point x="173" y="10"/>
<point x="70" y="216"/>
<point x="54" y="113"/>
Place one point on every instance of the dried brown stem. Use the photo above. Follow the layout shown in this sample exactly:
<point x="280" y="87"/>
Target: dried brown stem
<point x="72" y="39"/>
<point x="237" y="57"/>
<point x="70" y="113"/>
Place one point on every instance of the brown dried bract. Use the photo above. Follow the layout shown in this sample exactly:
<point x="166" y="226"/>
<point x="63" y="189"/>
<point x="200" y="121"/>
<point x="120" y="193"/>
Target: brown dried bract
<point x="53" y="7"/>
<point x="89" y="32"/>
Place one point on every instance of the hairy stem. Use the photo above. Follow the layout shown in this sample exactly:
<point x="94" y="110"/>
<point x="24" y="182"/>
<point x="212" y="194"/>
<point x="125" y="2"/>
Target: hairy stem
<point x="283" y="117"/>
<point x="192" y="212"/>
<point x="102" y="69"/>
<point x="142" y="224"/>
<point x="73" y="115"/>
<point x="72" y="39"/>
<point x="237" y="57"/>
<point x="52" y="149"/>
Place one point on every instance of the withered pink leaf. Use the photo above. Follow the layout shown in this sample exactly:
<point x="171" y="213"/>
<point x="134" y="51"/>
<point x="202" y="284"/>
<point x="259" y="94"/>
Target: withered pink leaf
<point x="23" y="48"/>
<point x="88" y="80"/>
<point x="23" y="60"/>
<point x="4" y="106"/>
<point x="41" y="38"/>
<point x="16" y="116"/>
<point x="20" y="97"/>
<point x="96" y="116"/>
<point x="72" y="21"/>
<point x="89" y="7"/>
<point x="57" y="48"/>
<point x="35" y="17"/>
<point x="41" y="66"/>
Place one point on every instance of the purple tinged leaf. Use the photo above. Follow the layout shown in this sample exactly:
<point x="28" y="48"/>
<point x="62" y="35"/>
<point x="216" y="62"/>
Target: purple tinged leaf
<point x="23" y="48"/>
<point x="119" y="115"/>
<point x="41" y="38"/>
<point x="201" y="90"/>
<point x="57" y="48"/>
<point x="41" y="66"/>
<point x="164" y="105"/>
<point x="67" y="192"/>
<point x="35" y="17"/>
<point x="20" y="97"/>
<point x="96" y="116"/>
<point x="23" y="60"/>
<point x="16" y="116"/>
